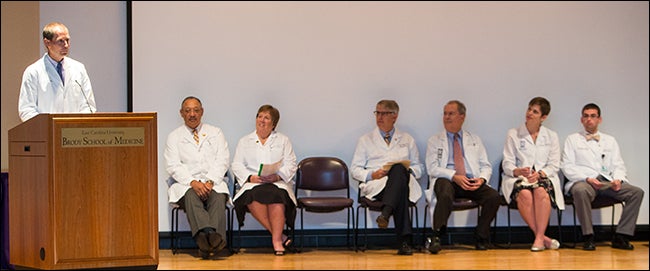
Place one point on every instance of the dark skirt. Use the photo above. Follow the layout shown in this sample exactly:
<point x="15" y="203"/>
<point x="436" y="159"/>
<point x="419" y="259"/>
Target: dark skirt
<point x="542" y="182"/>
<point x="266" y="194"/>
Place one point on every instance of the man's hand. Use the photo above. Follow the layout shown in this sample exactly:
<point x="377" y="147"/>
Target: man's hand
<point x="201" y="189"/>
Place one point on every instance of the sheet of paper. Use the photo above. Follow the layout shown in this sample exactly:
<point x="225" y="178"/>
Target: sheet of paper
<point x="268" y="169"/>
<point x="405" y="163"/>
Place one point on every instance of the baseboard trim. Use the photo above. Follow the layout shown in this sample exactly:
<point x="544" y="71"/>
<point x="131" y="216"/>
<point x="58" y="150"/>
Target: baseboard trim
<point x="386" y="238"/>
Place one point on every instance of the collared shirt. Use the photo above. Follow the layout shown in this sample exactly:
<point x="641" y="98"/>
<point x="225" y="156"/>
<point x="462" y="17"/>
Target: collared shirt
<point x="389" y="133"/>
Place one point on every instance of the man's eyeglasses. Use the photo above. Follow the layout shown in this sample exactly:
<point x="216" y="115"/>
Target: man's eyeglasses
<point x="383" y="113"/>
<point x="593" y="116"/>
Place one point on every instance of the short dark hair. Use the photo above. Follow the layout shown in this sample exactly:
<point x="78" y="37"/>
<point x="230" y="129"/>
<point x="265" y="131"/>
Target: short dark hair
<point x="591" y="106"/>
<point x="191" y="97"/>
<point x="543" y="103"/>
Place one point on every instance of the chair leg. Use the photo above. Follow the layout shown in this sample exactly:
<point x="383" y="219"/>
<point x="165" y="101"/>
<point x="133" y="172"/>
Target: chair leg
<point x="424" y="227"/>
<point x="559" y="224"/>
<point x="229" y="229"/>
<point x="174" y="229"/>
<point x="418" y="247"/>
<point x="302" y="232"/>
<point x="238" y="248"/>
<point x="365" y="223"/>
<point x="347" y="233"/>
<point x="575" y="228"/>
<point x="509" y="230"/>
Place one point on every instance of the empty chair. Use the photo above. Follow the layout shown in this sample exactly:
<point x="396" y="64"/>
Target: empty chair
<point x="323" y="174"/>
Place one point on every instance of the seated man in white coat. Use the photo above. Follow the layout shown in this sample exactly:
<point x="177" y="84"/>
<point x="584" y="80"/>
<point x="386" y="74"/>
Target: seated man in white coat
<point x="457" y="163"/>
<point x="197" y="158"/>
<point x="395" y="185"/>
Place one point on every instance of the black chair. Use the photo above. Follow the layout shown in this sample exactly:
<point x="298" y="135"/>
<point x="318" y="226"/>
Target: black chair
<point x="459" y="204"/>
<point x="323" y="174"/>
<point x="598" y="203"/>
<point x="176" y="238"/>
<point x="513" y="206"/>
<point x="375" y="205"/>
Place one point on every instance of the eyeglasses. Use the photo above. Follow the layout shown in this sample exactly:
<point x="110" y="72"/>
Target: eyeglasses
<point x="593" y="116"/>
<point x="383" y="113"/>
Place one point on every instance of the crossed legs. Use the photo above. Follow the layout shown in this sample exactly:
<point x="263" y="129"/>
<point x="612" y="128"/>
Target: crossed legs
<point x="535" y="208"/>
<point x="271" y="216"/>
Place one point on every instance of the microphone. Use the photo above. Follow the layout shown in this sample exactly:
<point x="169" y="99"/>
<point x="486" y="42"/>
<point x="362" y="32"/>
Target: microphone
<point x="84" y="94"/>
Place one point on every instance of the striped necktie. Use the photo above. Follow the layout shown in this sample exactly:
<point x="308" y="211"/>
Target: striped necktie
<point x="196" y="136"/>
<point x="459" y="162"/>
<point x="387" y="139"/>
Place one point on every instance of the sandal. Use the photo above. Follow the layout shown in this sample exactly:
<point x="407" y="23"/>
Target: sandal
<point x="287" y="242"/>
<point x="279" y="253"/>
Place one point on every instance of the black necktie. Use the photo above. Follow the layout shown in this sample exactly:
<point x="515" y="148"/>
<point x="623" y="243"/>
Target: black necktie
<point x="59" y="70"/>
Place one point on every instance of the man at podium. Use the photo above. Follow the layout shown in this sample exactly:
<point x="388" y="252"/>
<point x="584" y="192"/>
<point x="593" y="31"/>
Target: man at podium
<point x="55" y="83"/>
<point x="197" y="159"/>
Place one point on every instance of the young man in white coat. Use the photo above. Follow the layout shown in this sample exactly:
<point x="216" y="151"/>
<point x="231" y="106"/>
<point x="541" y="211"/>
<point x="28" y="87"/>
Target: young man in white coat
<point x="592" y="163"/>
<point x="395" y="185"/>
<point x="55" y="83"/>
<point x="458" y="166"/>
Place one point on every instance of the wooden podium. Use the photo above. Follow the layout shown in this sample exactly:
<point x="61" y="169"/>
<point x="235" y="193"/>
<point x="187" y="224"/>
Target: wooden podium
<point x="83" y="191"/>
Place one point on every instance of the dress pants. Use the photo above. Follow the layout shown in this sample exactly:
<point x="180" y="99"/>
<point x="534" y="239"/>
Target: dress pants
<point x="583" y="194"/>
<point x="208" y="214"/>
<point x="396" y="195"/>
<point x="446" y="191"/>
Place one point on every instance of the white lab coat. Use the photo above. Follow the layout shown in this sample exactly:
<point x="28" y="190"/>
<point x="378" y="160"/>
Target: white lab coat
<point x="42" y="90"/>
<point x="372" y="153"/>
<point x="544" y="154"/>
<point x="582" y="159"/>
<point x="437" y="158"/>
<point x="250" y="153"/>
<point x="187" y="161"/>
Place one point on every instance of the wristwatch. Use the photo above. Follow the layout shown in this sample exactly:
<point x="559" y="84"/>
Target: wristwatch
<point x="209" y="182"/>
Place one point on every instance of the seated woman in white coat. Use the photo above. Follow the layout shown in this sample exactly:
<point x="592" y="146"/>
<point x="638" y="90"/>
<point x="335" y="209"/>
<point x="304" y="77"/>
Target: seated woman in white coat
<point x="531" y="161"/>
<point x="269" y="197"/>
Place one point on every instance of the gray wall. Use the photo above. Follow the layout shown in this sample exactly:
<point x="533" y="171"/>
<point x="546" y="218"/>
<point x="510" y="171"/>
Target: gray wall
<point x="326" y="64"/>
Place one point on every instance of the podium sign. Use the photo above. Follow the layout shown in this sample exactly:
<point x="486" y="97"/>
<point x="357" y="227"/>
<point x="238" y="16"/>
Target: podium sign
<point x="83" y="191"/>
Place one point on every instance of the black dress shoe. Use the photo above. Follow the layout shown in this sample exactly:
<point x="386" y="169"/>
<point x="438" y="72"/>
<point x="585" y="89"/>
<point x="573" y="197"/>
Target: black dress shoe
<point x="405" y="249"/>
<point x="434" y="244"/>
<point x="382" y="221"/>
<point x="201" y="239"/>
<point x="204" y="254"/>
<point x="481" y="244"/>
<point x="621" y="242"/>
<point x="216" y="242"/>
<point x="589" y="243"/>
